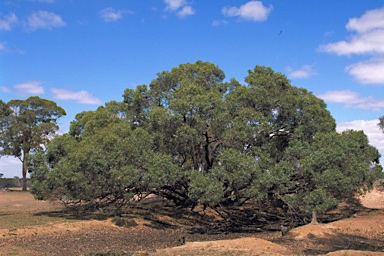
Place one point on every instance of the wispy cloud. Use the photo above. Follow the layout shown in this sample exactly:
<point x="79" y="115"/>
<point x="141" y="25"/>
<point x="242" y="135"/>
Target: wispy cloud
<point x="3" y="46"/>
<point x="370" y="128"/>
<point x="368" y="39"/>
<point x="217" y="23"/>
<point x="4" y="89"/>
<point x="186" y="11"/>
<point x="8" y="21"/>
<point x="46" y="1"/>
<point x="81" y="97"/>
<point x="351" y="99"/>
<point x="181" y="8"/>
<point x="44" y="20"/>
<point x="29" y="88"/>
<point x="110" y="14"/>
<point x="252" y="10"/>
<point x="304" y="72"/>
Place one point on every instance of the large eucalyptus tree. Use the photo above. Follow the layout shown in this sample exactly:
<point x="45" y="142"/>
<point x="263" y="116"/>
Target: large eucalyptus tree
<point x="194" y="138"/>
<point x="26" y="126"/>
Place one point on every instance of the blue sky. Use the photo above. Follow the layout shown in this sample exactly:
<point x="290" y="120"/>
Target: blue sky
<point x="82" y="54"/>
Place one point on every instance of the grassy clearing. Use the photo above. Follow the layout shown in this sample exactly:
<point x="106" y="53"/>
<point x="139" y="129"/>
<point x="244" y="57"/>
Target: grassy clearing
<point x="19" y="210"/>
<point x="19" y="221"/>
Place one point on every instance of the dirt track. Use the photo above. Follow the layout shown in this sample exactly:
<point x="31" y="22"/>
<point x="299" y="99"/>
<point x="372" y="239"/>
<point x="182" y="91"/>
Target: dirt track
<point x="61" y="235"/>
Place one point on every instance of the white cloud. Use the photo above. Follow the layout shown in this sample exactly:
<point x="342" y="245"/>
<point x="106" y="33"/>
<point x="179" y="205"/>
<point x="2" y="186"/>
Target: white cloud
<point x="371" y="42"/>
<point x="252" y="10"/>
<point x="10" y="166"/>
<point x="8" y="22"/>
<point x="81" y="97"/>
<point x="110" y="14"/>
<point x="368" y="39"/>
<point x="370" y="128"/>
<point x="29" y="87"/>
<point x="181" y="8"/>
<point x="44" y="20"/>
<point x="351" y="99"/>
<point x="186" y="11"/>
<point x="367" y="72"/>
<point x="63" y="128"/>
<point x="372" y="19"/>
<point x="304" y="72"/>
<point x="173" y="5"/>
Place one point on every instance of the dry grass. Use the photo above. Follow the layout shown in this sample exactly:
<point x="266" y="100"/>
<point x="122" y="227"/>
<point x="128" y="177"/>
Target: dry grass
<point x="19" y="210"/>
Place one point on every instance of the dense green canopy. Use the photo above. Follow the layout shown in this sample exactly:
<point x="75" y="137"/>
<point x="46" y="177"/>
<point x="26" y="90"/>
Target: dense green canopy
<point x="193" y="138"/>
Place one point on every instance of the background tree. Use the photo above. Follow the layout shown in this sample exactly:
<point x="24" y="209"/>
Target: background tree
<point x="27" y="127"/>
<point x="4" y="111"/>
<point x="381" y="123"/>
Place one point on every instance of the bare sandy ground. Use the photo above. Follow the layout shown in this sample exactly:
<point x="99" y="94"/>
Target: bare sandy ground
<point x="362" y="234"/>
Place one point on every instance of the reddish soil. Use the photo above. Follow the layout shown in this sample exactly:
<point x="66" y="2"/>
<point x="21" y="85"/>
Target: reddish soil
<point x="49" y="231"/>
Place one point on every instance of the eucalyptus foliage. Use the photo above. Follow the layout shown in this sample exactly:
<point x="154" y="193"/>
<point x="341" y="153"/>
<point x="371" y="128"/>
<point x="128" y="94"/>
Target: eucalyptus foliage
<point x="194" y="138"/>
<point x="26" y="126"/>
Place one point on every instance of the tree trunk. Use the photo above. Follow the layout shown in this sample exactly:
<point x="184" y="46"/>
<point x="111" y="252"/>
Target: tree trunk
<point x="24" y="171"/>
<point x="314" y="218"/>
